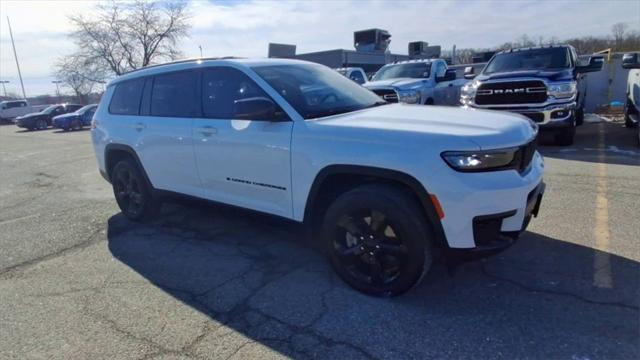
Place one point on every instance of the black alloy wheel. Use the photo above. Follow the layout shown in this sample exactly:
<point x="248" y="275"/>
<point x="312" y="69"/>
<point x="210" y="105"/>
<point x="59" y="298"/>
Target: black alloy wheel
<point x="131" y="191"/>
<point x="377" y="239"/>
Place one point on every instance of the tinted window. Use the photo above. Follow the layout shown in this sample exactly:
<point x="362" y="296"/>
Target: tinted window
<point x="357" y="77"/>
<point x="534" y="59"/>
<point x="126" y="98"/>
<point x="16" y="104"/>
<point x="223" y="87"/>
<point x="175" y="95"/>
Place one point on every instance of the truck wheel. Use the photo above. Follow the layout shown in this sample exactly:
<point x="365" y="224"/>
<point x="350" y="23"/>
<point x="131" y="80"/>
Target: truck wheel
<point x="132" y="193"/>
<point x="377" y="240"/>
<point x="580" y="116"/>
<point x="564" y="137"/>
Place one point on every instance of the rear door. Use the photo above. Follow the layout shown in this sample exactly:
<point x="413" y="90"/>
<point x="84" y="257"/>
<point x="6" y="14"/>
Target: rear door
<point x="241" y="162"/>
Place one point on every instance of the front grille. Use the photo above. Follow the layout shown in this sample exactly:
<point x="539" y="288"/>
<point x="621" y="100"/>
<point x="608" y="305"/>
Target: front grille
<point x="524" y="156"/>
<point x="516" y="92"/>
<point x="536" y="117"/>
<point x="389" y="95"/>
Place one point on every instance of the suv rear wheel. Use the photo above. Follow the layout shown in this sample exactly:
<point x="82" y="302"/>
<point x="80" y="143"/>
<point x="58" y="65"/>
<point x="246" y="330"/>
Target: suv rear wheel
<point x="133" y="195"/>
<point x="377" y="240"/>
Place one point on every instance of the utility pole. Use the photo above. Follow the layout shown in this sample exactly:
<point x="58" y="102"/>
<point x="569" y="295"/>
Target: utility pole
<point x="57" y="87"/>
<point x="3" y="87"/>
<point x="15" y="55"/>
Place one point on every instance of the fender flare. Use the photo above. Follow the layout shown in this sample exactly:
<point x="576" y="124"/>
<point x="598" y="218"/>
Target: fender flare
<point x="110" y="148"/>
<point x="397" y="176"/>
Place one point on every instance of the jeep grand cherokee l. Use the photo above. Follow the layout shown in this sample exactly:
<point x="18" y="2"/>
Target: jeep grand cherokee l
<point x="545" y="84"/>
<point x="381" y="184"/>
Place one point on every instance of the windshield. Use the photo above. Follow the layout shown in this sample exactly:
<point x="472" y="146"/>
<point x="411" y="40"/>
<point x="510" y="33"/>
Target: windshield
<point x="534" y="59"/>
<point x="418" y="70"/>
<point x="49" y="109"/>
<point x="316" y="91"/>
<point x="84" y="109"/>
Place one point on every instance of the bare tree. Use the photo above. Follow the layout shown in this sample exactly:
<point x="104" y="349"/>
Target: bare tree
<point x="618" y="31"/>
<point x="127" y="36"/>
<point x="80" y="74"/>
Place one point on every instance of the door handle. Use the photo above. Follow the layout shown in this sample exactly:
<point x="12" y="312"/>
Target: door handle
<point x="208" y="130"/>
<point x="139" y="126"/>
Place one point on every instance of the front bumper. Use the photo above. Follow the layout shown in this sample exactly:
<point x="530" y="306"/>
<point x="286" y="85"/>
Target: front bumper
<point x="553" y="115"/>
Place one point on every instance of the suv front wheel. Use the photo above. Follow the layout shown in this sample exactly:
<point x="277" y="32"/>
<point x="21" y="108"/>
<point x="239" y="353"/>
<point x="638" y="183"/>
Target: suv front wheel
<point x="132" y="193"/>
<point x="377" y="240"/>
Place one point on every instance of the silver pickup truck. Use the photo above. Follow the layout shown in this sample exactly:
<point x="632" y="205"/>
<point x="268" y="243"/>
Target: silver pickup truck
<point x="427" y="82"/>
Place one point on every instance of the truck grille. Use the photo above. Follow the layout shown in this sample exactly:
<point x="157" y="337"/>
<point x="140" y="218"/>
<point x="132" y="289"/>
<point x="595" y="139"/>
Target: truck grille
<point x="389" y="95"/>
<point x="516" y="92"/>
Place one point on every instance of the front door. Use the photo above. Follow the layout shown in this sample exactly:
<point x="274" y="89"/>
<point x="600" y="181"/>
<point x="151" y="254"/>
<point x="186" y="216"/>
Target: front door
<point x="241" y="162"/>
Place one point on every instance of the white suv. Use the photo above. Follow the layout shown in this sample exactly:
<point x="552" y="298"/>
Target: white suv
<point x="382" y="184"/>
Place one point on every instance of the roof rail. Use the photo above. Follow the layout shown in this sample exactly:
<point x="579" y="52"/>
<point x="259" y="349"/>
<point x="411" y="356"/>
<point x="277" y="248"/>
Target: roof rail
<point x="180" y="62"/>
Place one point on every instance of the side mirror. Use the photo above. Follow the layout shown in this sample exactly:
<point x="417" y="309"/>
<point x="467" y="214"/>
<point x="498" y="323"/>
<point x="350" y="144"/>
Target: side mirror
<point x="595" y="64"/>
<point x="449" y="75"/>
<point x="469" y="73"/>
<point x="630" y="61"/>
<point x="257" y="108"/>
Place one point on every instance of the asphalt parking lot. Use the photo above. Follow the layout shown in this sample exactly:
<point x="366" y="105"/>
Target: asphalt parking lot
<point x="77" y="280"/>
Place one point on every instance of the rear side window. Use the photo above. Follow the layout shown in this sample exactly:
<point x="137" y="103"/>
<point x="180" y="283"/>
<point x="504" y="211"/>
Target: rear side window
<point x="175" y="95"/>
<point x="126" y="98"/>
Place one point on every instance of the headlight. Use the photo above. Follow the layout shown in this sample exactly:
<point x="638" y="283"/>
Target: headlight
<point x="468" y="92"/>
<point x="562" y="90"/>
<point x="490" y="160"/>
<point x="409" y="96"/>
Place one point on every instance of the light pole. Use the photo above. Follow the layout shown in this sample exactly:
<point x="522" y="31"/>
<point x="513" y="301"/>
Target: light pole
<point x="57" y="88"/>
<point x="3" y="87"/>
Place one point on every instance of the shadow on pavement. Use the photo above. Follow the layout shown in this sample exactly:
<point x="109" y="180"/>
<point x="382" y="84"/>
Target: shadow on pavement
<point x="604" y="142"/>
<point x="262" y="278"/>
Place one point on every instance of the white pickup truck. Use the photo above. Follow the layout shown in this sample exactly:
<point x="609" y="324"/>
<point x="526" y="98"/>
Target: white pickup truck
<point x="427" y="82"/>
<point x="11" y="109"/>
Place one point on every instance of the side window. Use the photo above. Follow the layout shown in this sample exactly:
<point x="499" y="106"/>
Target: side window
<point x="225" y="90"/>
<point x="175" y="95"/>
<point x="126" y="98"/>
<point x="440" y="70"/>
<point x="357" y="77"/>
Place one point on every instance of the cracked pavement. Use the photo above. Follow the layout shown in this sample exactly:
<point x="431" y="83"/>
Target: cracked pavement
<point x="78" y="280"/>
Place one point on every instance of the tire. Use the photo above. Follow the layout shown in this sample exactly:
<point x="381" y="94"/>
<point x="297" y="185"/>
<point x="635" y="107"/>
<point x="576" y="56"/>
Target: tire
<point x="41" y="124"/>
<point x="132" y="192"/>
<point x="377" y="240"/>
<point x="429" y="101"/>
<point x="580" y="116"/>
<point x="76" y="125"/>
<point x="565" y="137"/>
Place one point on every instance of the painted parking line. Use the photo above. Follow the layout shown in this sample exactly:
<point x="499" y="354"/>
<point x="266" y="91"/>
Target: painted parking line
<point x="602" y="260"/>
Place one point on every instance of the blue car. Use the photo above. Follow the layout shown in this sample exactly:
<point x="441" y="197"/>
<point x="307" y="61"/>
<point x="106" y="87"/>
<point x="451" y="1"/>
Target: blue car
<point x="75" y="120"/>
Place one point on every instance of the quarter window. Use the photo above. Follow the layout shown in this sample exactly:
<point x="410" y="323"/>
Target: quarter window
<point x="126" y="98"/>
<point x="175" y="95"/>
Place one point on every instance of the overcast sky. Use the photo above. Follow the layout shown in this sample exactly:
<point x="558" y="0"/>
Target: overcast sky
<point x="245" y="28"/>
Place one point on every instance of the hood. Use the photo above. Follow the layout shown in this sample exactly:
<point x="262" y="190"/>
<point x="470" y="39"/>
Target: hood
<point x="398" y="82"/>
<point x="557" y="75"/>
<point x="446" y="127"/>
<point x="29" y="115"/>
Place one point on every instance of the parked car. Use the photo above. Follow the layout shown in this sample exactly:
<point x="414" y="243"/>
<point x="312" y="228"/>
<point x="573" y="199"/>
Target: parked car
<point x="44" y="118"/>
<point x="354" y="73"/>
<point x="428" y="82"/>
<point x="381" y="184"/>
<point x="11" y="109"/>
<point x="75" y="120"/>
<point x="632" y="104"/>
<point x="546" y="84"/>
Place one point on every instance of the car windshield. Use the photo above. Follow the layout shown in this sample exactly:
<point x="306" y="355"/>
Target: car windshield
<point x="49" y="109"/>
<point x="418" y="70"/>
<point x="316" y="91"/>
<point x="533" y="59"/>
<point x="84" y="109"/>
